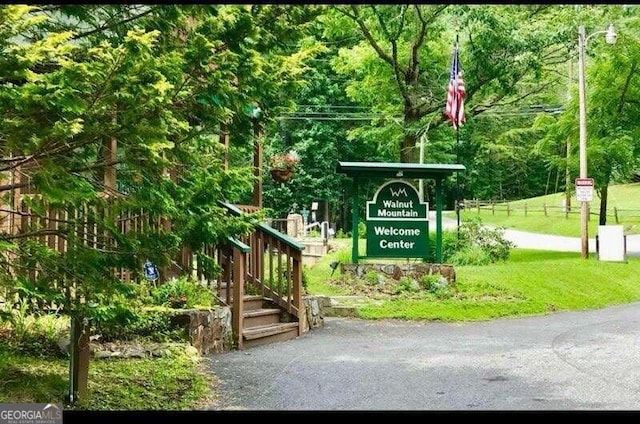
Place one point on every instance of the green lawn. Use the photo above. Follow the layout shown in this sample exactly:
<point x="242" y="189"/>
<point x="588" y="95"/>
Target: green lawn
<point x="530" y="282"/>
<point x="167" y="383"/>
<point x="625" y="198"/>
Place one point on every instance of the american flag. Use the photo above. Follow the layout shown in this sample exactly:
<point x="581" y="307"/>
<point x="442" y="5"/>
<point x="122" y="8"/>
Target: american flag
<point x="454" y="110"/>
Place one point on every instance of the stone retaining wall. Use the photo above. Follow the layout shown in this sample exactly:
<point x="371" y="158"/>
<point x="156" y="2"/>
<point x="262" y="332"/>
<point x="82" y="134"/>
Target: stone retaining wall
<point x="209" y="330"/>
<point x="397" y="271"/>
<point x="314" y="317"/>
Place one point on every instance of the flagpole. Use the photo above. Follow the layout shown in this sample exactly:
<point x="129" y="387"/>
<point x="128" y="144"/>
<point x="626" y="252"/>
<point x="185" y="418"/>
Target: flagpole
<point x="458" y="180"/>
<point x="457" y="162"/>
<point x="455" y="102"/>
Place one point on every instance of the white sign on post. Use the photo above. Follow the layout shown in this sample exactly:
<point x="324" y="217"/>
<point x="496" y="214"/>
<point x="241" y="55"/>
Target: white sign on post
<point x="584" y="189"/>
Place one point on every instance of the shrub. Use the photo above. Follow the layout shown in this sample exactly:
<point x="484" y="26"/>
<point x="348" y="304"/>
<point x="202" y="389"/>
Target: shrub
<point x="123" y="324"/>
<point x="449" y="245"/>
<point x="491" y="240"/>
<point x="362" y="229"/>
<point x="340" y="234"/>
<point x="371" y="277"/>
<point x="472" y="244"/>
<point x="32" y="334"/>
<point x="407" y="284"/>
<point x="471" y="255"/>
<point x="437" y="285"/>
<point x="182" y="293"/>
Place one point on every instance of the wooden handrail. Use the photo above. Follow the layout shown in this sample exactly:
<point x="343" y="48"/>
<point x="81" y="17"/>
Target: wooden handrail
<point x="271" y="263"/>
<point x="265" y="228"/>
<point x="237" y="244"/>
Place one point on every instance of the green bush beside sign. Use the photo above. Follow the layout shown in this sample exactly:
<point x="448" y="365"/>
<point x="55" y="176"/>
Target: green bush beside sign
<point x="397" y="222"/>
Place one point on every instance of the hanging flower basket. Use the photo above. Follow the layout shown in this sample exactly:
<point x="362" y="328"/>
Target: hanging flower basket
<point x="283" y="166"/>
<point x="281" y="175"/>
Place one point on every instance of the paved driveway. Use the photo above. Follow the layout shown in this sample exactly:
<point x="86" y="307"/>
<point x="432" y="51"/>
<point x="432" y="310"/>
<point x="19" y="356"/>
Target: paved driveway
<point x="526" y="240"/>
<point x="565" y="361"/>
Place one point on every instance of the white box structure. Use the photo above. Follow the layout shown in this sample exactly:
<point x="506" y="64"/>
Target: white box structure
<point x="611" y="243"/>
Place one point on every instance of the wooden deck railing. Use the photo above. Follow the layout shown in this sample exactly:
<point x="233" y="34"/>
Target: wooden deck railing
<point x="267" y="263"/>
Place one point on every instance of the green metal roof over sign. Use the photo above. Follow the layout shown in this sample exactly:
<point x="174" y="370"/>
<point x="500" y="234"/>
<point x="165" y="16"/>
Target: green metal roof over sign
<point x="398" y="169"/>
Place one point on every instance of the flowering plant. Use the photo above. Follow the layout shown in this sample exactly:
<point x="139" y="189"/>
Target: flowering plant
<point x="287" y="161"/>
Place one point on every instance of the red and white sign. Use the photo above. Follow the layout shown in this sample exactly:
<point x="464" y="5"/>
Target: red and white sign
<point x="584" y="189"/>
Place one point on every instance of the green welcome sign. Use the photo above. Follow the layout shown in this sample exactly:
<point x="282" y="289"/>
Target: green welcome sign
<point x="397" y="222"/>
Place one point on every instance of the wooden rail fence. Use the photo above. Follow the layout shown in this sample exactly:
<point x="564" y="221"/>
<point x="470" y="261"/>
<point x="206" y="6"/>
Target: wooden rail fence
<point x="526" y="209"/>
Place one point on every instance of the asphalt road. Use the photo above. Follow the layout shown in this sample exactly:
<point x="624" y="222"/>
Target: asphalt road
<point x="526" y="240"/>
<point x="587" y="360"/>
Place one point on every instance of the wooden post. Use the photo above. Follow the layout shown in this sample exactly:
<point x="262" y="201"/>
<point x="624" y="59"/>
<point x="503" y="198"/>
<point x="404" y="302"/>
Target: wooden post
<point x="615" y="213"/>
<point x="493" y="208"/>
<point x="238" y="295"/>
<point x="544" y="206"/>
<point x="297" y="291"/>
<point x="525" y="209"/>
<point x="110" y="157"/>
<point x="79" y="364"/>
<point x="508" y="210"/>
<point x="227" y="254"/>
<point x="224" y="140"/>
<point x="478" y="206"/>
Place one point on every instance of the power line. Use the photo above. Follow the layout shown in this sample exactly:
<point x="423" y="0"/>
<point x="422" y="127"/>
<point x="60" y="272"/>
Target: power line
<point x="337" y="115"/>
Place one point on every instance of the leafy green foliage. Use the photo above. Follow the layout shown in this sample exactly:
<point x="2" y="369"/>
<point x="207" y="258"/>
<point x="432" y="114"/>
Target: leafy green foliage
<point x="471" y="255"/>
<point x="158" y="81"/>
<point x="481" y="243"/>
<point x="182" y="293"/>
<point x="35" y="335"/>
<point x="124" y="324"/>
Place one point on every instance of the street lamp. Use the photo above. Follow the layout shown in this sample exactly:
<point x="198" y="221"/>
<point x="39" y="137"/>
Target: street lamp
<point x="582" y="45"/>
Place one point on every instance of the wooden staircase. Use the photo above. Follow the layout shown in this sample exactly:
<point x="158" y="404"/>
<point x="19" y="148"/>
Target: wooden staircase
<point x="263" y="322"/>
<point x="264" y="270"/>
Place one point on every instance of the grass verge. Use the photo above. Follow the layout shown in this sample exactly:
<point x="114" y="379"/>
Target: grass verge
<point x="530" y="282"/>
<point x="175" y="382"/>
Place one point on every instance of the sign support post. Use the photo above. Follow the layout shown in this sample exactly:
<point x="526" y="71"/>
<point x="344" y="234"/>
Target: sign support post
<point x="354" y="222"/>
<point x="439" y="196"/>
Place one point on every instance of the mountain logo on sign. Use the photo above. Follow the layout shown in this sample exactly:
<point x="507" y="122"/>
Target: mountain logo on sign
<point x="399" y="192"/>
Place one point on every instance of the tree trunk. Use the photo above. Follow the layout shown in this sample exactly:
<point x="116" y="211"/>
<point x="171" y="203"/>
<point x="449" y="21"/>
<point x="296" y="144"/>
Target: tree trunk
<point x="410" y="140"/>
<point x="604" y="190"/>
<point x="407" y="152"/>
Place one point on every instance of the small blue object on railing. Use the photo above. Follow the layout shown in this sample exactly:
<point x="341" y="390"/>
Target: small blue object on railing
<point x="151" y="271"/>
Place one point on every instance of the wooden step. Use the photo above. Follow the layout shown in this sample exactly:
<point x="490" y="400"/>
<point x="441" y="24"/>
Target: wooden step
<point x="252" y="303"/>
<point x="260" y="317"/>
<point x="271" y="333"/>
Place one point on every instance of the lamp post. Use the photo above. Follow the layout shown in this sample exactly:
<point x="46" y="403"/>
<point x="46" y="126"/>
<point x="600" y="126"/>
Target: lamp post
<point x="584" y="207"/>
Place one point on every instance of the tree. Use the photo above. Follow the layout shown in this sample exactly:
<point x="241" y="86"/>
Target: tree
<point x="500" y="46"/>
<point x="111" y="111"/>
<point x="612" y="130"/>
